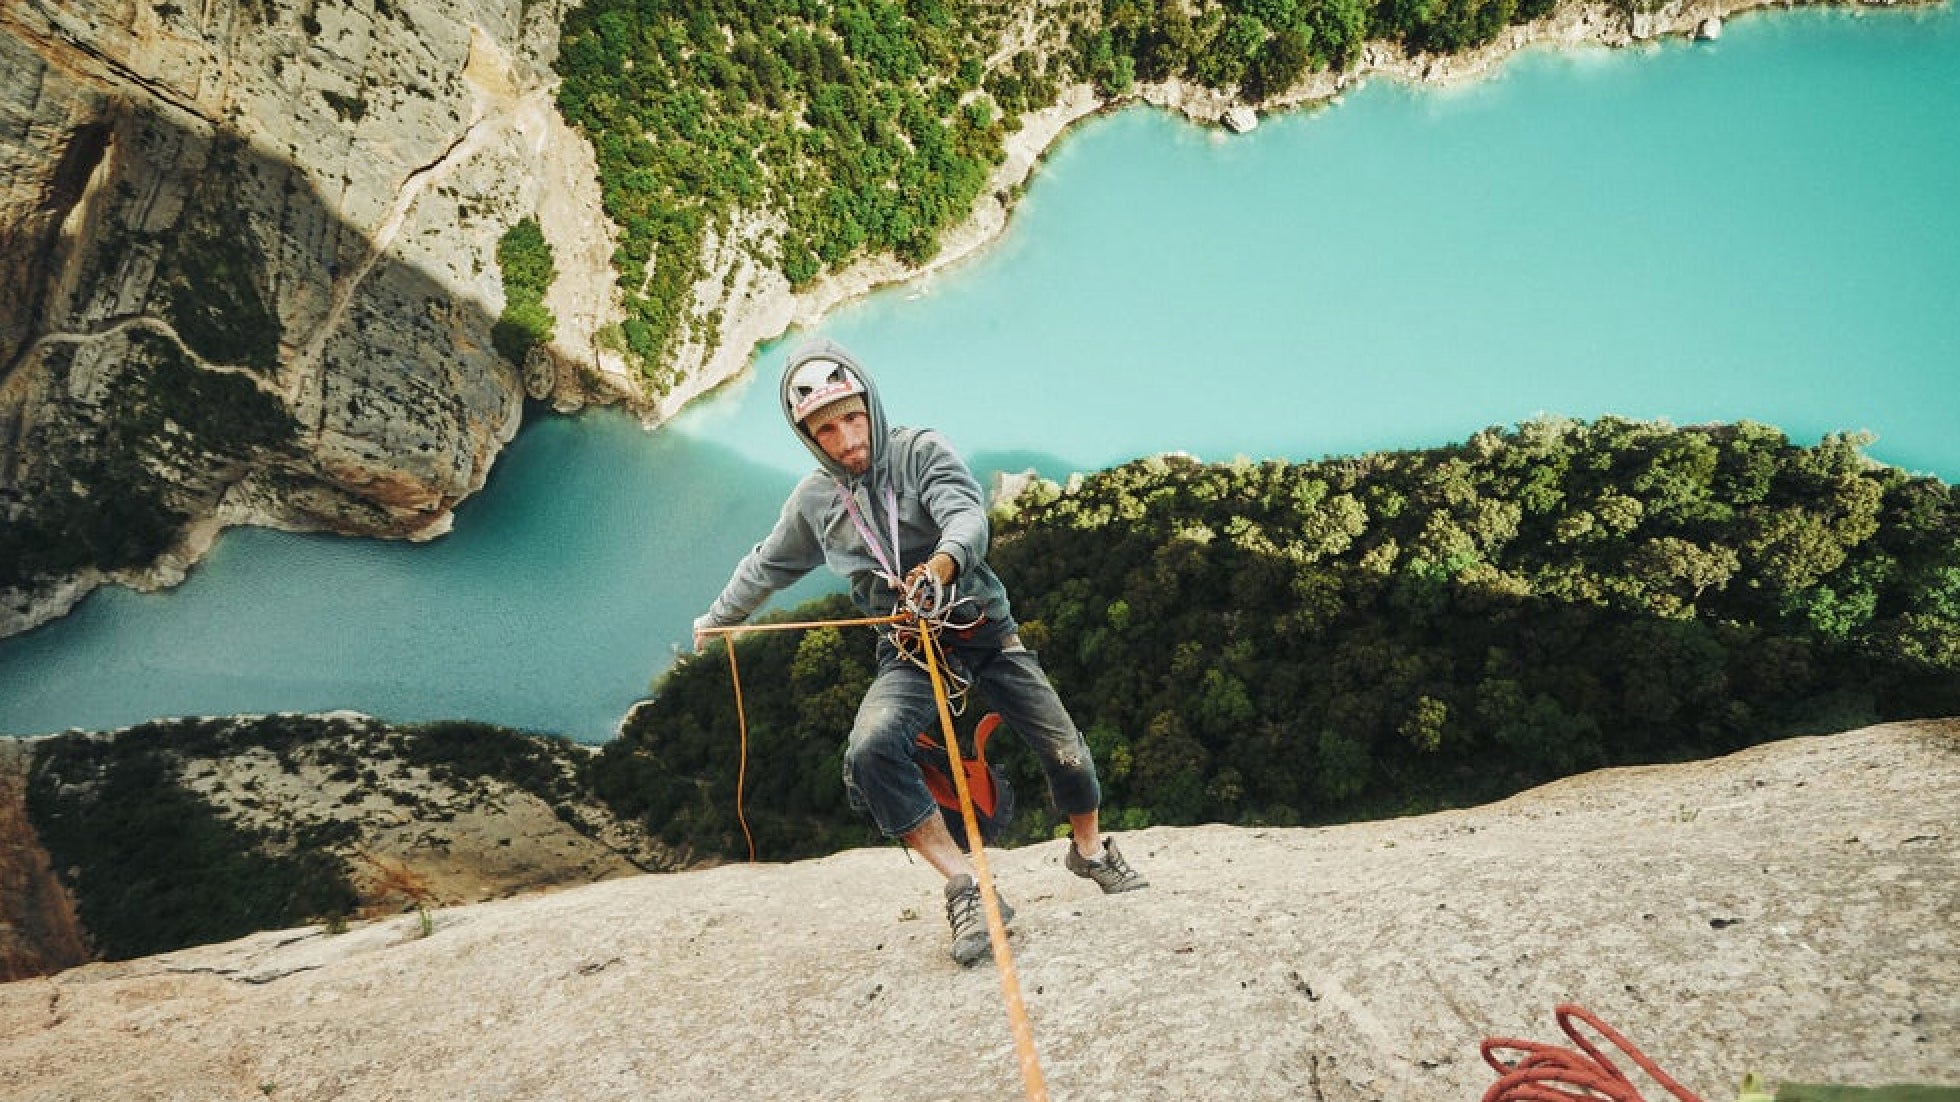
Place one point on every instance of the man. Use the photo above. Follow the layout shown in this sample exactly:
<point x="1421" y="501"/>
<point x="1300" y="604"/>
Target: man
<point x="891" y="504"/>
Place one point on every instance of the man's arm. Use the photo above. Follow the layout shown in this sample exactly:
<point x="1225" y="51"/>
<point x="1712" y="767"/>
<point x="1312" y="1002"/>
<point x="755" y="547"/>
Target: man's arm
<point x="784" y="556"/>
<point x="952" y="496"/>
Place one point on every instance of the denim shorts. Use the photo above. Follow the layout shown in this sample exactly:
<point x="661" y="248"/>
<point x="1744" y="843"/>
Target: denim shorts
<point x="882" y="777"/>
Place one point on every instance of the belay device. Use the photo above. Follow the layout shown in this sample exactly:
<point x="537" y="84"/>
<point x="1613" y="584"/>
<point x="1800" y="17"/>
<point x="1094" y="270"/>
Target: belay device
<point x="993" y="796"/>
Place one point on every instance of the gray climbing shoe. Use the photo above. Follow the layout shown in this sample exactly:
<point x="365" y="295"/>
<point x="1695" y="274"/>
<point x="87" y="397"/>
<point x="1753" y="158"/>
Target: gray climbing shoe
<point x="968" y="917"/>
<point x="1110" y="871"/>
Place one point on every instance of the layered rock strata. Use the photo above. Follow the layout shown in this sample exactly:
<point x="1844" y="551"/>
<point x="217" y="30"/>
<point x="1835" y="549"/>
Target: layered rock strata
<point x="248" y="256"/>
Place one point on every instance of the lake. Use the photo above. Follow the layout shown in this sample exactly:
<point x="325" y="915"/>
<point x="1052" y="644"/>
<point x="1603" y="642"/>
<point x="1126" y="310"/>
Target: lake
<point x="1764" y="227"/>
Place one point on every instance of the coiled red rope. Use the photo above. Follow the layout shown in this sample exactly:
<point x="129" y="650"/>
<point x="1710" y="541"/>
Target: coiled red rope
<point x="1548" y="1073"/>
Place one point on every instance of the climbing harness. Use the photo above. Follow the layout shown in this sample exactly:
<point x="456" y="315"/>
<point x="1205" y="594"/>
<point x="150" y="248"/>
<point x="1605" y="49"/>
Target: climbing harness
<point x="993" y="794"/>
<point x="925" y="609"/>
<point x="1548" y="1073"/>
<point x="922" y="597"/>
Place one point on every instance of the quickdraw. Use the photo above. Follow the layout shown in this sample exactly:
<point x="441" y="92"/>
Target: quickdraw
<point x="930" y="609"/>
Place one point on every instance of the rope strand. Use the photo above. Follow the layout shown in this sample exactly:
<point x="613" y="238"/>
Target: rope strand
<point x="1010" y="980"/>
<point x="741" y="761"/>
<point x="1548" y="1073"/>
<point x="741" y="714"/>
<point x="925" y="608"/>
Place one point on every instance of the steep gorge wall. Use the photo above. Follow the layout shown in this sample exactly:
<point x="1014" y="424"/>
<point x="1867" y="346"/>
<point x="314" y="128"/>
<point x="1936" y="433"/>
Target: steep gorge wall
<point x="247" y="255"/>
<point x="122" y="843"/>
<point x="39" y="933"/>
<point x="248" y="252"/>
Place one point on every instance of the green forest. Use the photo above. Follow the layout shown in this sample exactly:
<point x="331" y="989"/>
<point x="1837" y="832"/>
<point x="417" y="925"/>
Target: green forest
<point x="1307" y="643"/>
<point x="154" y="865"/>
<point x="866" y="127"/>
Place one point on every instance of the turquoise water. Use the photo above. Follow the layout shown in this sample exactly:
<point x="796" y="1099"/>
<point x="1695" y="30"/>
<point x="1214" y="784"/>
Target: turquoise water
<point x="1766" y="227"/>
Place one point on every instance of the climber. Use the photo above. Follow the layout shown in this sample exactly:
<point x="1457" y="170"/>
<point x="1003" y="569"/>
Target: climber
<point x="889" y="505"/>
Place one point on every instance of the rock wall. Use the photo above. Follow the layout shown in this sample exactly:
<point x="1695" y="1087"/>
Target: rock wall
<point x="301" y="204"/>
<point x="306" y="201"/>
<point x="299" y="201"/>
<point x="1789" y="910"/>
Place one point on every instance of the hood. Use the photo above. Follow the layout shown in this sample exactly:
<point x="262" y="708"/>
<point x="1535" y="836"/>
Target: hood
<point x="825" y="349"/>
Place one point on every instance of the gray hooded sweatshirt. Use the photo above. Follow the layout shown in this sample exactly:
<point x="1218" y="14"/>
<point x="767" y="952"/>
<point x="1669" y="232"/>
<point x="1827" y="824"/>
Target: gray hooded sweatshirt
<point x="939" y="508"/>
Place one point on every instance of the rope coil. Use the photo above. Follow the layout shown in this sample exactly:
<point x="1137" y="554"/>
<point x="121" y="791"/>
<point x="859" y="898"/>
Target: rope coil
<point x="1548" y="1073"/>
<point x="931" y="607"/>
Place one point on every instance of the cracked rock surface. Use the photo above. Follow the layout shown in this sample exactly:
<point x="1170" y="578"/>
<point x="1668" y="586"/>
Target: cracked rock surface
<point x="1791" y="910"/>
<point x="230" y="198"/>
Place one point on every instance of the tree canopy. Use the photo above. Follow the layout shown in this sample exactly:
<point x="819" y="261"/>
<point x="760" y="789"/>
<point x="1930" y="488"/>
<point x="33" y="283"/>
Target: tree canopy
<point x="1287" y="643"/>
<point x="850" y="128"/>
<point x="524" y="258"/>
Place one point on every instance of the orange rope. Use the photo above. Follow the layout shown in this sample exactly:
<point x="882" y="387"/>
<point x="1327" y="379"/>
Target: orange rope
<point x="741" y="716"/>
<point x="1547" y="1073"/>
<point x="1010" y="982"/>
<point x="868" y="621"/>
<point x="742" y="762"/>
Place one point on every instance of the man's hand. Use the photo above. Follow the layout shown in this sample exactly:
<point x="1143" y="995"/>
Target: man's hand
<point x="701" y="639"/>
<point x="942" y="566"/>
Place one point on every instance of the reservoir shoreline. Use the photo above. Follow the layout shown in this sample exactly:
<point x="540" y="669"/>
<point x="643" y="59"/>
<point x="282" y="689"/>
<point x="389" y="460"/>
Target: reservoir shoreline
<point x="765" y="310"/>
<point x="1689" y="234"/>
<point x="770" y="316"/>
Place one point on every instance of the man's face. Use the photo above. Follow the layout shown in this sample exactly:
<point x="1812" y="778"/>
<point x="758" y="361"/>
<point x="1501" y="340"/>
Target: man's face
<point x="846" y="440"/>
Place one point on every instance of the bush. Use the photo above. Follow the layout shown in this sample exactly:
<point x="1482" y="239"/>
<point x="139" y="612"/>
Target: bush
<point x="525" y="259"/>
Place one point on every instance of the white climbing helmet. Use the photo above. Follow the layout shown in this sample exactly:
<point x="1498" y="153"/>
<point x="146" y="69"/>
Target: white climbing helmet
<point x="818" y="383"/>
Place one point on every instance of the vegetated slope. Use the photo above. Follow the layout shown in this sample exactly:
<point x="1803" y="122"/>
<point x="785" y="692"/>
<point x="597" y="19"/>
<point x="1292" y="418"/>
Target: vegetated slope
<point x="1284" y="643"/>
<point x="38" y="929"/>
<point x="255" y="278"/>
<point x="811" y="136"/>
<point x="183" y="832"/>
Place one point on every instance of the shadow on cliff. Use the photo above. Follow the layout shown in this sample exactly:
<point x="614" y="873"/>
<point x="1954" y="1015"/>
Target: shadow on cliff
<point x="201" y="329"/>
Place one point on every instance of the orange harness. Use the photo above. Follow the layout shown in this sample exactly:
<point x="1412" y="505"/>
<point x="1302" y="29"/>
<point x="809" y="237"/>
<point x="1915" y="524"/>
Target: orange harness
<point x="979" y="775"/>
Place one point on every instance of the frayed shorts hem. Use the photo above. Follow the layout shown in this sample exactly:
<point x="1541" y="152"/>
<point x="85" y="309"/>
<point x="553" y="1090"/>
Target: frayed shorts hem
<point x="916" y="824"/>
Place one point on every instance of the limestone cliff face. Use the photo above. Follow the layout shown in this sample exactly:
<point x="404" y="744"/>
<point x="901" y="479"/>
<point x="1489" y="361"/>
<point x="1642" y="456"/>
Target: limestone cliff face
<point x="248" y="256"/>
<point x="247" y="253"/>
<point x="1788" y="910"/>
<point x="247" y="262"/>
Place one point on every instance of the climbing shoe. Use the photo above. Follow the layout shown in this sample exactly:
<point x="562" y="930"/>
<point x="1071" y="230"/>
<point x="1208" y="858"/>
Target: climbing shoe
<point x="1110" y="872"/>
<point x="968" y="917"/>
